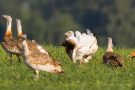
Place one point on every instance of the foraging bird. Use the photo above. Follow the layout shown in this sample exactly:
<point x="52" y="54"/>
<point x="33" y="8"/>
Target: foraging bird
<point x="111" y="58"/>
<point x="39" y="61"/>
<point x="9" y="44"/>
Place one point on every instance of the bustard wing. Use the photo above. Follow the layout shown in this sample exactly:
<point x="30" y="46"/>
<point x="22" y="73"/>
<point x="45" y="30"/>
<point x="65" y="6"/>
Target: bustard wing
<point x="39" y="58"/>
<point x="113" y="59"/>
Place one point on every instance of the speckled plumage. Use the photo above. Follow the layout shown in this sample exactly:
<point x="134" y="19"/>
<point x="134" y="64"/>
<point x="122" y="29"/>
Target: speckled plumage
<point x="33" y="45"/>
<point x="41" y="58"/>
<point x="38" y="60"/>
<point x="9" y="43"/>
<point x="111" y="58"/>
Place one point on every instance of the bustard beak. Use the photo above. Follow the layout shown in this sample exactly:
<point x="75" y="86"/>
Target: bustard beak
<point x="7" y="17"/>
<point x="17" y="20"/>
<point x="66" y="34"/>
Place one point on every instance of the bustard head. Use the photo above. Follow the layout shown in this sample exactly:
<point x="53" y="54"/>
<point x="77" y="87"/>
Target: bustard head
<point x="69" y="33"/>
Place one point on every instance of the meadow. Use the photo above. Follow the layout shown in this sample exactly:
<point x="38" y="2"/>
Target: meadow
<point x="92" y="76"/>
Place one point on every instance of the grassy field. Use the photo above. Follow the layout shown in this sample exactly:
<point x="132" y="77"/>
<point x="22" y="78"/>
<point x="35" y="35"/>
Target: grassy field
<point x="91" y="76"/>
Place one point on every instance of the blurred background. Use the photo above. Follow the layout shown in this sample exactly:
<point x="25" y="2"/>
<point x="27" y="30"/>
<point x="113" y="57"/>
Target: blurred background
<point x="47" y="20"/>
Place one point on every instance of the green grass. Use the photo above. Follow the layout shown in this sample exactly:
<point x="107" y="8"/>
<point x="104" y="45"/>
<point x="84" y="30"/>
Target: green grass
<point x="92" y="76"/>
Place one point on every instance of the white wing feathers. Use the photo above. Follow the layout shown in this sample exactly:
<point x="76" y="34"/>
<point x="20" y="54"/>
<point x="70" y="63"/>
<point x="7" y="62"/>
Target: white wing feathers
<point x="89" y="32"/>
<point x="86" y="46"/>
<point x="78" y="35"/>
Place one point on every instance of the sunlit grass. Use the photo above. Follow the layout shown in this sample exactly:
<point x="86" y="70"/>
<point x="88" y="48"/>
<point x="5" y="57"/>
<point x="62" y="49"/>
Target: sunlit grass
<point x="92" y="76"/>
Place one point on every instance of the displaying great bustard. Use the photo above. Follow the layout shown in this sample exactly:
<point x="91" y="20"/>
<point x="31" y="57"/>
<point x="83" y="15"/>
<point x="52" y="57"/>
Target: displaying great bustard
<point x="111" y="58"/>
<point x="80" y="47"/>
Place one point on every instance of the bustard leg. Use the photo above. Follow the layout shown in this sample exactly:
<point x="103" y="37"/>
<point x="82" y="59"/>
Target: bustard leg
<point x="10" y="57"/>
<point x="37" y="74"/>
<point x="7" y="57"/>
<point x="74" y="61"/>
<point x="81" y="62"/>
<point x="18" y="58"/>
<point x="86" y="60"/>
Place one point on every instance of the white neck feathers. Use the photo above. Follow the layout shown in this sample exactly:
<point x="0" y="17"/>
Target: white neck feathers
<point x="25" y="48"/>
<point x="19" y="28"/>
<point x="110" y="45"/>
<point x="8" y="30"/>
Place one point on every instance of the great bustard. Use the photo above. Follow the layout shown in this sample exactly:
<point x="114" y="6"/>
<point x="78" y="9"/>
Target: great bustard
<point x="111" y="58"/>
<point x="80" y="47"/>
<point x="40" y="61"/>
<point x="34" y="45"/>
<point x="9" y="43"/>
<point x="86" y="47"/>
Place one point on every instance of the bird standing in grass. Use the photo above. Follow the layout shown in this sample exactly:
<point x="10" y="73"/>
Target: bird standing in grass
<point x="9" y="43"/>
<point x="39" y="61"/>
<point x="80" y="47"/>
<point x="34" y="45"/>
<point x="111" y="58"/>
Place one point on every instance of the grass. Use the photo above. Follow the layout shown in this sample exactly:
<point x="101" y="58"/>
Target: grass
<point x="91" y="76"/>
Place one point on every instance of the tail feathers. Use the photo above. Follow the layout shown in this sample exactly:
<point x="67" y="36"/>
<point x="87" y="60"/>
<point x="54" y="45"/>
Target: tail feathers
<point x="92" y="33"/>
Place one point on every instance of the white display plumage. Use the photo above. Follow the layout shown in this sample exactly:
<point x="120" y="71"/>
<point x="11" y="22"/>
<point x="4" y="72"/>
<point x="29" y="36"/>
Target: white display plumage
<point x="77" y="34"/>
<point x="85" y="47"/>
